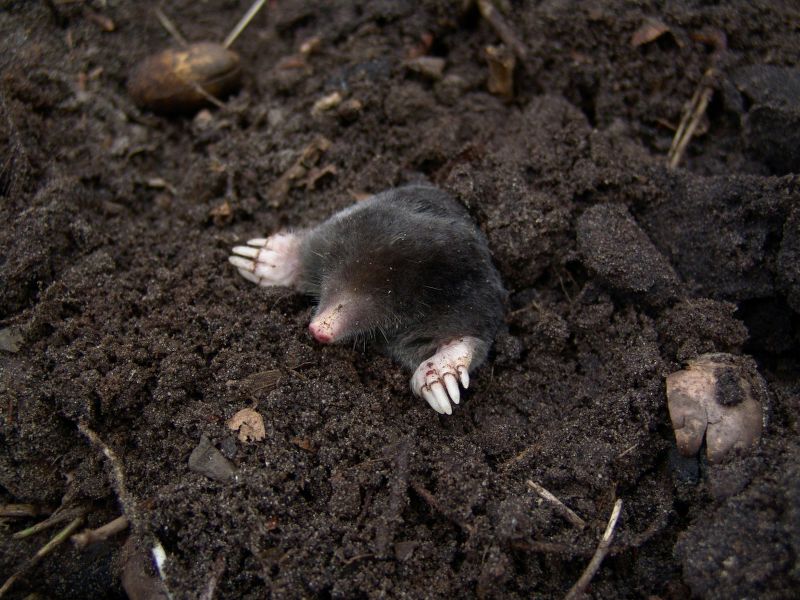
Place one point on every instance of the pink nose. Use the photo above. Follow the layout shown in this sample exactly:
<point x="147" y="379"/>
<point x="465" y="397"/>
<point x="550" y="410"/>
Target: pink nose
<point x="320" y="333"/>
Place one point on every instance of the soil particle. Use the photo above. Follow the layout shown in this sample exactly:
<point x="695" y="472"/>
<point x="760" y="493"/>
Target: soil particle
<point x="772" y="121"/>
<point x="789" y="260"/>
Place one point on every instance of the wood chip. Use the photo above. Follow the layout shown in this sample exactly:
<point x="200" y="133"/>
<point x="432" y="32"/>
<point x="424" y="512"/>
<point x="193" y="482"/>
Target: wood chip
<point x="315" y="174"/>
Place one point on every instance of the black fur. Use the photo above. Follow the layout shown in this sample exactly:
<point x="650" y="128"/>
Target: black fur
<point x="416" y="264"/>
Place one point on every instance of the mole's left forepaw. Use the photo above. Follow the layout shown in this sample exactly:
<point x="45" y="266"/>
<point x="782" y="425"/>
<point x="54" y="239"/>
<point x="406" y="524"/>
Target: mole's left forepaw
<point x="436" y="379"/>
<point x="269" y="261"/>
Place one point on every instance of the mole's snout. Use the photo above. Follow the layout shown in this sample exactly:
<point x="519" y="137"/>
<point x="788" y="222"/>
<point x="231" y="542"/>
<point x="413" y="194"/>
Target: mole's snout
<point x="331" y="322"/>
<point x="320" y="333"/>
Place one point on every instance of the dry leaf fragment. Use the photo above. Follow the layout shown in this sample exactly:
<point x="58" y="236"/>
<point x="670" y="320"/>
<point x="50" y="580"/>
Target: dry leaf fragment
<point x="422" y="48"/>
<point x="326" y="103"/>
<point x="263" y="381"/>
<point x="649" y="31"/>
<point x="713" y="37"/>
<point x="293" y="61"/>
<point x="302" y="443"/>
<point x="221" y="213"/>
<point x="249" y="424"/>
<point x="349" y="109"/>
<point x="501" y="71"/>
<point x="431" y="67"/>
<point x="311" y="45"/>
<point x="359" y="195"/>
<point x="102" y="21"/>
<point x="295" y="175"/>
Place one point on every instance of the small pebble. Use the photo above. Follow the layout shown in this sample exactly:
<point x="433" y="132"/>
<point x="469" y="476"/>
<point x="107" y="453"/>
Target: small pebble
<point x="208" y="461"/>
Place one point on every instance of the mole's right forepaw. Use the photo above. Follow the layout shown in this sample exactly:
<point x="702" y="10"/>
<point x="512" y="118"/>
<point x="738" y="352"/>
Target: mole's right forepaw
<point x="436" y="379"/>
<point x="269" y="261"/>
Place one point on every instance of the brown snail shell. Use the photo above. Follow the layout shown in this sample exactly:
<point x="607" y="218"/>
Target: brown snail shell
<point x="182" y="79"/>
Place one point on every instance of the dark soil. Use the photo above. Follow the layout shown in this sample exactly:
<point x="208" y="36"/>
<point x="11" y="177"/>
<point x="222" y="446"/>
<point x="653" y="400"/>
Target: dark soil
<point x="129" y="321"/>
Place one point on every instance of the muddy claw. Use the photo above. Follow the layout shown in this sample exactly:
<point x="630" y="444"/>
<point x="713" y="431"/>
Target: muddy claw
<point x="436" y="379"/>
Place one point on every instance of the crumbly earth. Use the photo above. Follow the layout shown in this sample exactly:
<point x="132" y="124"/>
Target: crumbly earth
<point x="119" y="311"/>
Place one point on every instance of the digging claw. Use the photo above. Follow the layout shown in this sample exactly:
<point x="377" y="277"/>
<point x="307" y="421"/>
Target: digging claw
<point x="441" y="397"/>
<point x="436" y="379"/>
<point x="452" y="387"/>
<point x="269" y="261"/>
<point x="248" y="251"/>
<point x="464" y="377"/>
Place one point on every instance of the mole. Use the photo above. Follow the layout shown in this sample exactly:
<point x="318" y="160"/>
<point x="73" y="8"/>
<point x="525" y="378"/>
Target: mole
<point x="406" y="267"/>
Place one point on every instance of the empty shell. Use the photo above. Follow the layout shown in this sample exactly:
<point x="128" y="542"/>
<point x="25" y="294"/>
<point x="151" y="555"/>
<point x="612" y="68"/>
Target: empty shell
<point x="719" y="397"/>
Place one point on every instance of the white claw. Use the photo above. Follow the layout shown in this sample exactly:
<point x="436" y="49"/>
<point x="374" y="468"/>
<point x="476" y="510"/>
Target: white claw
<point x="452" y="387"/>
<point x="271" y="261"/>
<point x="437" y="378"/>
<point x="249" y="276"/>
<point x="430" y="399"/>
<point x="444" y="403"/>
<point x="248" y="251"/>
<point x="242" y="263"/>
<point x="464" y="377"/>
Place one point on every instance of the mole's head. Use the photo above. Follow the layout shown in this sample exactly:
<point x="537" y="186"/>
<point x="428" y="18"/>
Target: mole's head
<point x="361" y="298"/>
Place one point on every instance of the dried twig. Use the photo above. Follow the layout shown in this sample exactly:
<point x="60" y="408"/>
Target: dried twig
<point x="29" y="564"/>
<point x="599" y="554"/>
<point x="533" y="447"/>
<point x="431" y="500"/>
<point x="627" y="451"/>
<point x="167" y="24"/>
<point x="59" y="516"/>
<point x="243" y="22"/>
<point x="544" y="547"/>
<point x="502" y="28"/>
<point x="216" y="573"/>
<point x="561" y="508"/>
<point x="117" y="474"/>
<point x="349" y="561"/>
<point x="209" y="97"/>
<point x="87" y="537"/>
<point x="691" y="117"/>
<point x="21" y="511"/>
